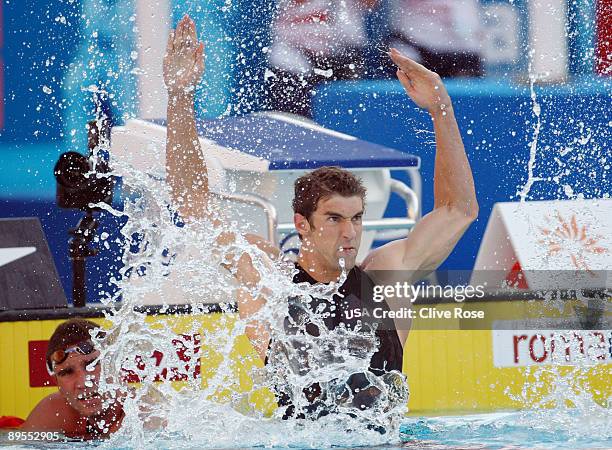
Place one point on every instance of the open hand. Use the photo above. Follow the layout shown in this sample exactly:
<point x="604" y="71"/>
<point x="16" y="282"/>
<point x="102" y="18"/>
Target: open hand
<point x="423" y="86"/>
<point x="184" y="59"/>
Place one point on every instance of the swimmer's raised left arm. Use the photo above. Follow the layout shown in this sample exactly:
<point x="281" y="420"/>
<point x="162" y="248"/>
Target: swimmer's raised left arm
<point x="455" y="205"/>
<point x="185" y="164"/>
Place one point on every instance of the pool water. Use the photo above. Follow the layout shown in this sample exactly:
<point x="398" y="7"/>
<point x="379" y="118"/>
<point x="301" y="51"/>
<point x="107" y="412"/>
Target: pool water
<point x="548" y="429"/>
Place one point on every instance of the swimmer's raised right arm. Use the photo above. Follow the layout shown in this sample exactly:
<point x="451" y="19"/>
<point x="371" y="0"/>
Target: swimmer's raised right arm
<point x="185" y="164"/>
<point x="186" y="167"/>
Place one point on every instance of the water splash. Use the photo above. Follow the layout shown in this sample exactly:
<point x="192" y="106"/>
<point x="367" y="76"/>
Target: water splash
<point x="163" y="256"/>
<point x="533" y="146"/>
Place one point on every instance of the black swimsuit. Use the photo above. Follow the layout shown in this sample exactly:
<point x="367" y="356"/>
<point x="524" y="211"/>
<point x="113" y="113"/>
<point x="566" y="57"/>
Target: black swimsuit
<point x="357" y="294"/>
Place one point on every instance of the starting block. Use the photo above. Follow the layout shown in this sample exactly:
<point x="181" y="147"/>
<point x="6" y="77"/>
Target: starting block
<point x="543" y="245"/>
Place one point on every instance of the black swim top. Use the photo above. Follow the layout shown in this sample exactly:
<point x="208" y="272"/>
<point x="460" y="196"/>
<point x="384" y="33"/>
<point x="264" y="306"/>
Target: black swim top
<point x="357" y="292"/>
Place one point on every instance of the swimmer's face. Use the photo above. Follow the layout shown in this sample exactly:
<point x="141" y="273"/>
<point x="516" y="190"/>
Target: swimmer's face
<point x="77" y="380"/>
<point x="334" y="230"/>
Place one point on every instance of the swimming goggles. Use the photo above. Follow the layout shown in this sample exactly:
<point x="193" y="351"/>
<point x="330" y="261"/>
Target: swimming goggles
<point x="59" y="356"/>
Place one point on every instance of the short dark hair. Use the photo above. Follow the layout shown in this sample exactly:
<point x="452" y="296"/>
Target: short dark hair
<point x="70" y="333"/>
<point x="322" y="183"/>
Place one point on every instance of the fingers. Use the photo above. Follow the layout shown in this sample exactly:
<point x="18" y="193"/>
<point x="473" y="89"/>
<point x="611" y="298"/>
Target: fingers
<point x="191" y="30"/>
<point x="185" y="38"/>
<point x="199" y="57"/>
<point x="198" y="62"/>
<point x="178" y="34"/>
<point x="406" y="64"/>
<point x="183" y="30"/>
<point x="170" y="45"/>
<point x="403" y="78"/>
<point x="187" y="29"/>
<point x="179" y="30"/>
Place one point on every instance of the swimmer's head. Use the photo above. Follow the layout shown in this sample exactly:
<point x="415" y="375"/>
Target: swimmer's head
<point x="72" y="360"/>
<point x="328" y="207"/>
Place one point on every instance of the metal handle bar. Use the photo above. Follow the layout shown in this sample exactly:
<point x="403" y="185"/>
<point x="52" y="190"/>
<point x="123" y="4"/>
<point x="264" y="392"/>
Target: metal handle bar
<point x="390" y="223"/>
<point x="411" y="199"/>
<point x="408" y="195"/>
<point x="254" y="199"/>
<point x="387" y="227"/>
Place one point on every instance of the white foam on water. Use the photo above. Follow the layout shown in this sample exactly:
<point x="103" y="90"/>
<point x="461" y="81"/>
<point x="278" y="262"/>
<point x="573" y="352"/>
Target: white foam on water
<point x="155" y="249"/>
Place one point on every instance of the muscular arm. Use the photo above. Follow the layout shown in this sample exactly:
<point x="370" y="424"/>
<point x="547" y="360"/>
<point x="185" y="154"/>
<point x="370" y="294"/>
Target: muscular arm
<point x="258" y="331"/>
<point x="455" y="205"/>
<point x="185" y="164"/>
<point x="187" y="173"/>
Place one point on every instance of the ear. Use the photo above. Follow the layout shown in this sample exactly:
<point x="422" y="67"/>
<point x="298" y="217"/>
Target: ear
<point x="301" y="224"/>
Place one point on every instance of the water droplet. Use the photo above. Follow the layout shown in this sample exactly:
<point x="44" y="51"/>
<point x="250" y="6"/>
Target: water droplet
<point x="324" y="73"/>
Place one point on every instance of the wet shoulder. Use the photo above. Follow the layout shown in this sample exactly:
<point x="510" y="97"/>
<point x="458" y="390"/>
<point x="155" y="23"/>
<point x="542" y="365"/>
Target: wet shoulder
<point x="52" y="413"/>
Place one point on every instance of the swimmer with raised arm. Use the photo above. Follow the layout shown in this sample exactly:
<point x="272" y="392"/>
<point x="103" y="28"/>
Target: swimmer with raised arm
<point x="329" y="201"/>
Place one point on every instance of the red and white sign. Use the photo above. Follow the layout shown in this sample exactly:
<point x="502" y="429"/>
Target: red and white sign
<point x="520" y="348"/>
<point x="187" y="347"/>
<point x="188" y="353"/>
<point x="547" y="245"/>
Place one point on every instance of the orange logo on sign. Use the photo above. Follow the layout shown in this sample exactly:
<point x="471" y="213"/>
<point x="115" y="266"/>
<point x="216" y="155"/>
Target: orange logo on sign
<point x="573" y="239"/>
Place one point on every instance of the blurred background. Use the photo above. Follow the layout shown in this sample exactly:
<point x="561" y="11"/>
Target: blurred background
<point x="503" y="62"/>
